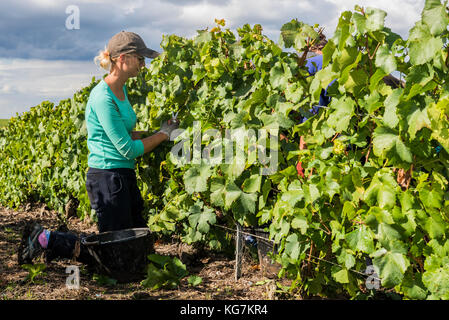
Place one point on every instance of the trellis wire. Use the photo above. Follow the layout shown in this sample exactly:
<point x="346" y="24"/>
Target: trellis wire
<point x="271" y="241"/>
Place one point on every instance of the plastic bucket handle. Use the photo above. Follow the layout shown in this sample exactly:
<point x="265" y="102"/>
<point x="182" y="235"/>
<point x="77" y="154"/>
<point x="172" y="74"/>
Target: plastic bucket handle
<point x="98" y="242"/>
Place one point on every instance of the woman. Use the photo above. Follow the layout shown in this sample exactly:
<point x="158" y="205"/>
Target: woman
<point x="110" y="181"/>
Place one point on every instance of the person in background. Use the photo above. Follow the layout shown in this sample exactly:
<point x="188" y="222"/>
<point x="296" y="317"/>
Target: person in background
<point x="113" y="147"/>
<point x="313" y="65"/>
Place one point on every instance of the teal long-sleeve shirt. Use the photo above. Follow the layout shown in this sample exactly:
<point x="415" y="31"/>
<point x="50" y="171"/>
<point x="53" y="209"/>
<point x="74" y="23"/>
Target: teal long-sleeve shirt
<point x="109" y="128"/>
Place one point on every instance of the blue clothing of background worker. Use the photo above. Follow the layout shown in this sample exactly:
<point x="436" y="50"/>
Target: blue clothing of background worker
<point x="315" y="64"/>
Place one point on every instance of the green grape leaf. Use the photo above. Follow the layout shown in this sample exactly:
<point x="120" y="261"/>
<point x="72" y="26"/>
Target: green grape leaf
<point x="252" y="184"/>
<point x="278" y="76"/>
<point x="437" y="282"/>
<point x="434" y="15"/>
<point x="217" y="189"/>
<point x="435" y="227"/>
<point x="417" y="120"/>
<point x="403" y="151"/>
<point x="423" y="47"/>
<point x="431" y="198"/>
<point x="346" y="258"/>
<point x="391" y="265"/>
<point x="299" y="222"/>
<point x="413" y="287"/>
<point x="292" y="247"/>
<point x="391" y="102"/>
<point x="360" y="239"/>
<point x="385" y="140"/>
<point x="375" y="19"/>
<point x="266" y="188"/>
<point x="343" y="110"/>
<point x="382" y="190"/>
<point x="385" y="59"/>
<point x="440" y="128"/>
<point x="341" y="276"/>
<point x="194" y="280"/>
<point x="231" y="194"/>
<point x="245" y="204"/>
<point x="195" y="178"/>
<point x="201" y="218"/>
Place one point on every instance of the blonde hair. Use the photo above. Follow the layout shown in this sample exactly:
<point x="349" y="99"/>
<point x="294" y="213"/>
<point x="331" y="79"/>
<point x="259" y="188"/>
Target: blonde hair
<point x="103" y="59"/>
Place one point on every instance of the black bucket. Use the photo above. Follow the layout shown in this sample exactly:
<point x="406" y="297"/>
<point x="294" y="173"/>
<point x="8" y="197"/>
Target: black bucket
<point x="121" y="255"/>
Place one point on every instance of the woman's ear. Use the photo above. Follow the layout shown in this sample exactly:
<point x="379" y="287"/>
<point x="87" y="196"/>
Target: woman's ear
<point x="121" y="58"/>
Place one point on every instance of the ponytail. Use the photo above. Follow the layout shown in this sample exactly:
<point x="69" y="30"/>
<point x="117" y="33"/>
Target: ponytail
<point x="104" y="60"/>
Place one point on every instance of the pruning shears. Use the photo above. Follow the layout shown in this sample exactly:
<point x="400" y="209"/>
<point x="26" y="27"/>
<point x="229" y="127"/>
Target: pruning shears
<point x="175" y="116"/>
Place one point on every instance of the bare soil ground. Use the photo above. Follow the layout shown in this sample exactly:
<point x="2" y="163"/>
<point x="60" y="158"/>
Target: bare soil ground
<point x="216" y="270"/>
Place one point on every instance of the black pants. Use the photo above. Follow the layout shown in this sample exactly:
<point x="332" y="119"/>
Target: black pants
<point x="116" y="199"/>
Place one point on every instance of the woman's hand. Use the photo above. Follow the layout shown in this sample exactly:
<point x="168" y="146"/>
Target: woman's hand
<point x="169" y="126"/>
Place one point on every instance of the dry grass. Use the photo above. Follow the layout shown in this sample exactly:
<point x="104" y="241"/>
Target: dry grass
<point x="216" y="270"/>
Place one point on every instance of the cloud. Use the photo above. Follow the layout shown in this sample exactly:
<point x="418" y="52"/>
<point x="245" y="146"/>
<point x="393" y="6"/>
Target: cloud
<point x="40" y="59"/>
<point x="6" y="89"/>
<point x="36" y="29"/>
<point x="401" y="14"/>
<point x="25" y="83"/>
<point x="196" y="2"/>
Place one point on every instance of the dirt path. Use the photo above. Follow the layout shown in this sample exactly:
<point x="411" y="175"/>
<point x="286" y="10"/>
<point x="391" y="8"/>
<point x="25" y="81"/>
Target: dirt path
<point x="217" y="271"/>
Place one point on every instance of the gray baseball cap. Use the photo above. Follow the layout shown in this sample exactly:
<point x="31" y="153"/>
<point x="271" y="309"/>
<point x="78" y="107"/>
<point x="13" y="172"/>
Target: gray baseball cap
<point x="127" y="42"/>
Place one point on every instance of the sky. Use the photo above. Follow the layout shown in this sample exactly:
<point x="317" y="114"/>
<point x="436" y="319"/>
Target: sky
<point x="45" y="54"/>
